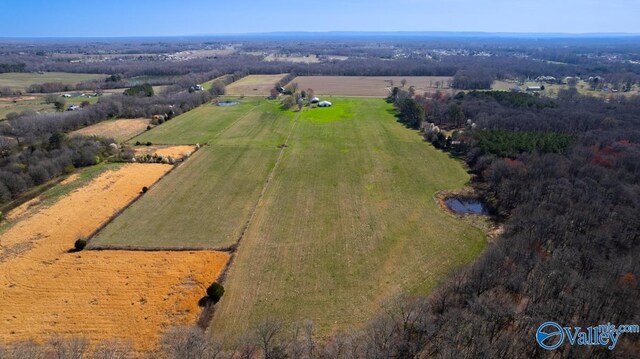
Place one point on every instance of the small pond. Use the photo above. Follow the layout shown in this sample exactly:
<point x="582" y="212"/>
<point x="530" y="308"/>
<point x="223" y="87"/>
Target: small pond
<point x="228" y="103"/>
<point x="466" y="205"/>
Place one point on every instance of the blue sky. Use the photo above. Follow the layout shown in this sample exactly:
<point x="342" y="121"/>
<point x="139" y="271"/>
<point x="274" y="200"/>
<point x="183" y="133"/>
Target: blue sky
<point x="51" y="18"/>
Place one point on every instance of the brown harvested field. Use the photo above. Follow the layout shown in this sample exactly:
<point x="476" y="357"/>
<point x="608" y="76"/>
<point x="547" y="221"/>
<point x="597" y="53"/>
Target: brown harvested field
<point x="369" y="86"/>
<point x="254" y="85"/>
<point x="177" y="152"/>
<point x="131" y="296"/>
<point x="120" y="130"/>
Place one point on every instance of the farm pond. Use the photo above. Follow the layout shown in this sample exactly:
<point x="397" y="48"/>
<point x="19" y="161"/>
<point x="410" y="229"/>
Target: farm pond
<point x="466" y="206"/>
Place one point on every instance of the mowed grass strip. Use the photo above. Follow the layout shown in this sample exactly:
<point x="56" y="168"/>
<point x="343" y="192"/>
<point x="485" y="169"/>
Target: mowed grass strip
<point x="347" y="222"/>
<point x="266" y="126"/>
<point x="203" y="204"/>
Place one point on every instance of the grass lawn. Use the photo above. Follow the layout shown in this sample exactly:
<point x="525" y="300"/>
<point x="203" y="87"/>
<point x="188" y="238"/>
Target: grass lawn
<point x="20" y="80"/>
<point x="347" y="222"/>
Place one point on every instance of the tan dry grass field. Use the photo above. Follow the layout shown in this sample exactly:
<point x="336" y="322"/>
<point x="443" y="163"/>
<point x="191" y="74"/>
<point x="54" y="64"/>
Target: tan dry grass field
<point x="177" y="152"/>
<point x="131" y="296"/>
<point x="254" y="85"/>
<point x="120" y="130"/>
<point x="373" y="86"/>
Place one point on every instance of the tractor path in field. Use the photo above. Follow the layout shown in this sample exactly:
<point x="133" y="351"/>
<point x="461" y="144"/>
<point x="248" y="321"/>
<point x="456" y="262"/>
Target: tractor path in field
<point x="265" y="186"/>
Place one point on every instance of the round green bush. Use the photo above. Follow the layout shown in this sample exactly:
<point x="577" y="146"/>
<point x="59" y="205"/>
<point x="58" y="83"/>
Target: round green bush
<point x="215" y="292"/>
<point x="80" y="244"/>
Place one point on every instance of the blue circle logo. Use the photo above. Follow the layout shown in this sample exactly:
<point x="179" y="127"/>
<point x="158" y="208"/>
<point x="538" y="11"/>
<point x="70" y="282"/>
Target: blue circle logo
<point x="550" y="335"/>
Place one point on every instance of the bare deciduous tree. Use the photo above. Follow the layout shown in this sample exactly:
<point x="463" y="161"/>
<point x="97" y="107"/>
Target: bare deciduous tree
<point x="267" y="333"/>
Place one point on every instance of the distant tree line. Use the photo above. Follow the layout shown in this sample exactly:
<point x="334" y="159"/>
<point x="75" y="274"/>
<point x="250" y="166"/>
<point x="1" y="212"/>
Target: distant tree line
<point x="34" y="149"/>
<point x="12" y="68"/>
<point x="474" y="80"/>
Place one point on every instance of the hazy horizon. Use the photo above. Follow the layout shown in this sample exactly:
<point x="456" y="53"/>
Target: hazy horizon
<point x="193" y="18"/>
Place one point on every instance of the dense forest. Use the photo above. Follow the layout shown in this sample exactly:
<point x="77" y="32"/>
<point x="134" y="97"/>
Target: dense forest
<point x="565" y="180"/>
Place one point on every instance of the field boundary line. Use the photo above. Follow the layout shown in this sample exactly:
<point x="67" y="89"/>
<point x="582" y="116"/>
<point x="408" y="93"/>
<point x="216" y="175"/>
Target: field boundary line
<point x="208" y="311"/>
<point x="154" y="249"/>
<point x="236" y="121"/>
<point x="136" y="198"/>
<point x="173" y="144"/>
<point x="265" y="186"/>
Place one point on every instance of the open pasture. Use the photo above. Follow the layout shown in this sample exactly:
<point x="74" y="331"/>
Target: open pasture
<point x="331" y="226"/>
<point x="253" y="122"/>
<point x="205" y="203"/>
<point x="347" y="222"/>
<point x="369" y="86"/>
<point x="254" y="85"/>
<point x="47" y="291"/>
<point x="22" y="80"/>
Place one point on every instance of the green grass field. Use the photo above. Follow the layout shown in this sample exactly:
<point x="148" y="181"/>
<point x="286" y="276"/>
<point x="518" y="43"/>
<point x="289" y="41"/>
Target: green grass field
<point x="254" y="122"/>
<point x="341" y="220"/>
<point x="204" y="204"/>
<point x="347" y="222"/>
<point x="19" y="80"/>
<point x="207" y="201"/>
